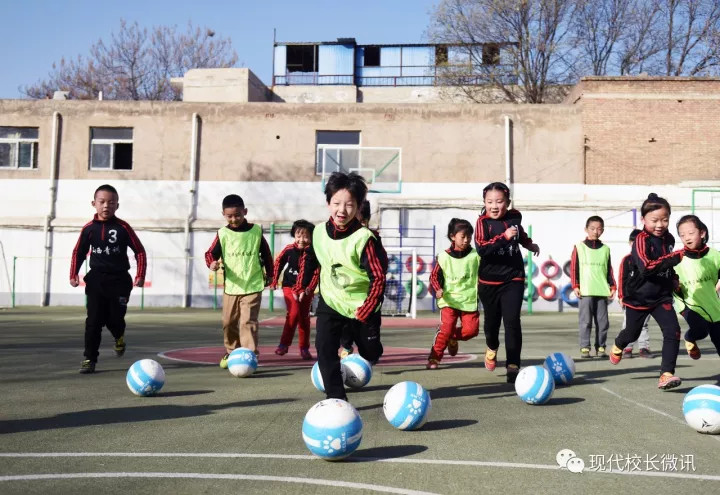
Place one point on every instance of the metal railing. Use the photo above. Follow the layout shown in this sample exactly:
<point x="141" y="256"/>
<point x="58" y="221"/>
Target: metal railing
<point x="434" y="76"/>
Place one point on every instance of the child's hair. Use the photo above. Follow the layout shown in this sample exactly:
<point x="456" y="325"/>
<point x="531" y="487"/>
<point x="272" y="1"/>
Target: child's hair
<point x="696" y="222"/>
<point x="301" y="225"/>
<point x="459" y="225"/>
<point x="496" y="186"/>
<point x="233" y="201"/>
<point x="595" y="218"/>
<point x="652" y="203"/>
<point x="107" y="188"/>
<point x="365" y="211"/>
<point x="634" y="234"/>
<point x="353" y="182"/>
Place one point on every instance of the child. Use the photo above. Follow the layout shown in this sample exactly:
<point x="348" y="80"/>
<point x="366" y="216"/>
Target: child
<point x="651" y="292"/>
<point x="591" y="276"/>
<point x="454" y="280"/>
<point x="244" y="253"/>
<point x="108" y="283"/>
<point x="344" y="256"/>
<point x="498" y="237"/>
<point x="363" y="215"/>
<point x="298" y="313"/>
<point x="697" y="299"/>
<point x="627" y="271"/>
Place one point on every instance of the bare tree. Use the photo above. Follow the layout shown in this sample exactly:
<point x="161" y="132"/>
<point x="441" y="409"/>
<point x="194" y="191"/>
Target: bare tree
<point x="600" y="26"/>
<point x="533" y="37"/>
<point x="690" y="29"/>
<point x="137" y="64"/>
<point x="640" y="44"/>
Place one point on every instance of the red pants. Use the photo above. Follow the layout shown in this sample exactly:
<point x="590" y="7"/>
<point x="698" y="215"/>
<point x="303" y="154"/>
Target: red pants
<point x="298" y="315"/>
<point x="470" y="327"/>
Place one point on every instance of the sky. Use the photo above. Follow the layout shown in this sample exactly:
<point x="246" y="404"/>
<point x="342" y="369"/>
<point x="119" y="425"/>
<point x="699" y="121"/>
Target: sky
<point x="42" y="32"/>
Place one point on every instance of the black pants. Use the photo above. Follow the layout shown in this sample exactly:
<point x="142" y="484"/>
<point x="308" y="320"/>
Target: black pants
<point x="329" y="328"/>
<point x="346" y="340"/>
<point x="666" y="318"/>
<point x="502" y="303"/>
<point x="107" y="298"/>
<point x="701" y="328"/>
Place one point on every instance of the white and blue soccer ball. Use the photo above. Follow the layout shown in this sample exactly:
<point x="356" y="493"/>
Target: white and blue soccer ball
<point x="145" y="377"/>
<point x="242" y="362"/>
<point x="701" y="408"/>
<point x="332" y="429"/>
<point x="407" y="406"/>
<point x="561" y="367"/>
<point x="358" y="371"/>
<point x="535" y="385"/>
<point x="317" y="379"/>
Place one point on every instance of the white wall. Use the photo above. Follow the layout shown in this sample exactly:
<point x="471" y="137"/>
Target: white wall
<point x="157" y="210"/>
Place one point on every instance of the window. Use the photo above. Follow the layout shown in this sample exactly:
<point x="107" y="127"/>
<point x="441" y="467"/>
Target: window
<point x="490" y="54"/>
<point x="441" y="55"/>
<point x="302" y="58"/>
<point x="18" y="147"/>
<point x="336" y="159"/>
<point x="372" y="56"/>
<point x="111" y="148"/>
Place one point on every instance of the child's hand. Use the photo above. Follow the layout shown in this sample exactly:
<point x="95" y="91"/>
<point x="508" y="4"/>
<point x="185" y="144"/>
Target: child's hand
<point x="511" y="232"/>
<point x="576" y="290"/>
<point x="534" y="248"/>
<point x="272" y="287"/>
<point x="75" y="281"/>
<point x="215" y="265"/>
<point x="139" y="282"/>
<point x="612" y="294"/>
<point x="299" y="297"/>
<point x="439" y="294"/>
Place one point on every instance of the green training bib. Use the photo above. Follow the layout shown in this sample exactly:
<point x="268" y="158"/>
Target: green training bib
<point x="343" y="284"/>
<point x="241" y="259"/>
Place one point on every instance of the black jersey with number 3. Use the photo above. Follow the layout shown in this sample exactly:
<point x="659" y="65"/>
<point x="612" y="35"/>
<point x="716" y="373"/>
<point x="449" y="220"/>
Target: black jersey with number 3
<point x="108" y="242"/>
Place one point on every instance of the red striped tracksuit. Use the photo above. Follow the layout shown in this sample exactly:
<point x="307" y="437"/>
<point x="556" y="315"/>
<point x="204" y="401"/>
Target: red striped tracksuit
<point x="502" y="280"/>
<point x="651" y="293"/>
<point x="298" y="312"/>
<point x="469" y="320"/>
<point x="108" y="283"/>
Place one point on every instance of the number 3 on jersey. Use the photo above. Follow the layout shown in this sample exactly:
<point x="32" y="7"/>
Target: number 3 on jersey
<point x="113" y="236"/>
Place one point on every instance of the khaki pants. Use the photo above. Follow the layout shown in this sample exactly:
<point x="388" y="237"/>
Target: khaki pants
<point x="240" y="321"/>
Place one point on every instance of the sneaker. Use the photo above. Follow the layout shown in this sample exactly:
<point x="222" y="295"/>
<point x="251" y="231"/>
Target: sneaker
<point x="87" y="366"/>
<point x="692" y="349"/>
<point x="304" y="354"/>
<point x="627" y="353"/>
<point x="346" y="352"/>
<point x="668" y="381"/>
<point x="601" y="352"/>
<point x="282" y="350"/>
<point x="512" y="373"/>
<point x="490" y="359"/>
<point x="645" y="353"/>
<point x="453" y="347"/>
<point x="616" y="354"/>
<point x="223" y="361"/>
<point x="432" y="364"/>
<point x="585" y="353"/>
<point x="120" y="346"/>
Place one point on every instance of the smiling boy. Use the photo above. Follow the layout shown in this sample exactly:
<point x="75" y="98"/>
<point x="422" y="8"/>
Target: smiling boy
<point x="344" y="259"/>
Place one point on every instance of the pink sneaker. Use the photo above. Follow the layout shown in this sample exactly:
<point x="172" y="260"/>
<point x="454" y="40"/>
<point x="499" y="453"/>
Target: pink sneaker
<point x="281" y="350"/>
